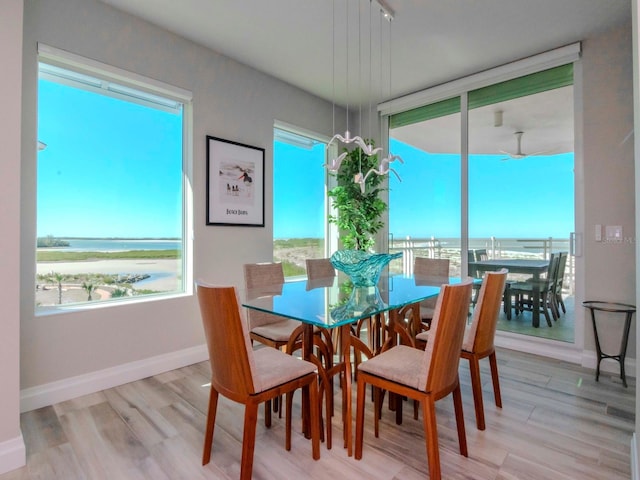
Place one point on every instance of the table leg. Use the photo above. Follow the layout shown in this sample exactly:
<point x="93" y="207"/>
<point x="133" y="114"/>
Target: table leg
<point x="345" y="336"/>
<point x="535" y="314"/>
<point x="307" y="351"/>
<point x="623" y="346"/>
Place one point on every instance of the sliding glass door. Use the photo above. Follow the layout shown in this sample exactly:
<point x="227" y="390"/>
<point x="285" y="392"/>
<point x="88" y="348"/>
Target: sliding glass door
<point x="425" y="208"/>
<point x="515" y="172"/>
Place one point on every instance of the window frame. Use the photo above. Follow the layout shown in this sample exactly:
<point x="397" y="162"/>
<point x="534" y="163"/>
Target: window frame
<point x="155" y="94"/>
<point x="330" y="229"/>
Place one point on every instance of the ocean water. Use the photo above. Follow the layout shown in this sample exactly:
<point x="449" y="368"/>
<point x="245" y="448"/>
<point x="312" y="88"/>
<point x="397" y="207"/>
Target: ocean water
<point x="119" y="245"/>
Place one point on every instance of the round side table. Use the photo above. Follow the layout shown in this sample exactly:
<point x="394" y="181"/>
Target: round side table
<point x="612" y="307"/>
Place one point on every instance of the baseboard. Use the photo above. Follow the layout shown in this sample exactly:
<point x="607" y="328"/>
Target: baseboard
<point x="562" y="351"/>
<point x="62" y="390"/>
<point x="635" y="474"/>
<point x="538" y="346"/>
<point x="589" y="360"/>
<point x="12" y="454"/>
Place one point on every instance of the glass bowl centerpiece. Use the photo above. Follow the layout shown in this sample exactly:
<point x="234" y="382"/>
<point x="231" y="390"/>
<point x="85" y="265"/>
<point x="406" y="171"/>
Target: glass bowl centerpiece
<point x="363" y="268"/>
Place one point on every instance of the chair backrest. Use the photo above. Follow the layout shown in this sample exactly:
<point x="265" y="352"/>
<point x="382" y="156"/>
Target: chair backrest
<point x="562" y="264"/>
<point x="431" y="267"/>
<point x="439" y="369"/>
<point x="481" y="254"/>
<point x="258" y="275"/>
<point x="471" y="257"/>
<point x="230" y="352"/>
<point x="319" y="268"/>
<point x="479" y="337"/>
<point x="552" y="272"/>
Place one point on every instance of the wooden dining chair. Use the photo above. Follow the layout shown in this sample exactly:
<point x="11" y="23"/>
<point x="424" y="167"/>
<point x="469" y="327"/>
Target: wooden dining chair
<point x="479" y="339"/>
<point x="425" y="376"/>
<point x="266" y="328"/>
<point x="247" y="376"/>
<point x="318" y="268"/>
<point x="430" y="267"/>
<point x="270" y="330"/>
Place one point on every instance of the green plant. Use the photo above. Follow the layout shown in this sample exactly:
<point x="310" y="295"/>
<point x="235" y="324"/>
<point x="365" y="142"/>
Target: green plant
<point x="358" y="214"/>
<point x="57" y="278"/>
<point x="89" y="288"/>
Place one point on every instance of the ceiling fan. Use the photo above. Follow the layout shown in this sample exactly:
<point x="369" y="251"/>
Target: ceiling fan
<point x="519" y="154"/>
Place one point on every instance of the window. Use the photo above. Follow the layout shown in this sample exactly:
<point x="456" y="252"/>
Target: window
<point x="111" y="209"/>
<point x="299" y="200"/>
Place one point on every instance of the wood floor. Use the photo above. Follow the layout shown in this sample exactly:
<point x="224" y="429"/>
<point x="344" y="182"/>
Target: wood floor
<point x="556" y="423"/>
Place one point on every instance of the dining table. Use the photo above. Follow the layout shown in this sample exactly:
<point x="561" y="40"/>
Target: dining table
<point x="333" y="303"/>
<point x="533" y="267"/>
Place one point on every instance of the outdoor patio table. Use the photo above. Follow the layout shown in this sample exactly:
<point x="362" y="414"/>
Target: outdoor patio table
<point x="518" y="265"/>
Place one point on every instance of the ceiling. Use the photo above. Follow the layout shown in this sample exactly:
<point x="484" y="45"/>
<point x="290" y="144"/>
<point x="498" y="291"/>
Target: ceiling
<point x="432" y="41"/>
<point x="304" y="43"/>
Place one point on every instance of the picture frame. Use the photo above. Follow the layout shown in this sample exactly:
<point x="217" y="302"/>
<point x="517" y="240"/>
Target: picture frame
<point x="235" y="183"/>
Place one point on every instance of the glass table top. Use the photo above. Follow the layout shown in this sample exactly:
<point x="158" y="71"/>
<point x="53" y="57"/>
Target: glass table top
<point x="332" y="302"/>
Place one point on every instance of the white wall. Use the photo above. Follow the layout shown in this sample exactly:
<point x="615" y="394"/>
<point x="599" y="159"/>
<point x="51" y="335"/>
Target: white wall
<point x="231" y="101"/>
<point x="12" y="452"/>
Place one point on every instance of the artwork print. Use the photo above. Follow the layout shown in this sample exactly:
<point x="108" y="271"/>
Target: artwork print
<point x="235" y="183"/>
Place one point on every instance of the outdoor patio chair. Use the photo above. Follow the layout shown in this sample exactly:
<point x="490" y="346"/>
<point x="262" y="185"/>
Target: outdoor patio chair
<point x="523" y="292"/>
<point x="559" y="282"/>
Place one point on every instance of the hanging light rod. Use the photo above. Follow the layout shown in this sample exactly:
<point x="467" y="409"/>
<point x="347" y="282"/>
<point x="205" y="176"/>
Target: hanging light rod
<point x="386" y="10"/>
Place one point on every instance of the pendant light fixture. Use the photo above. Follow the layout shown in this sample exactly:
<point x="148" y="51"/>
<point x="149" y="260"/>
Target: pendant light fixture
<point x="367" y="149"/>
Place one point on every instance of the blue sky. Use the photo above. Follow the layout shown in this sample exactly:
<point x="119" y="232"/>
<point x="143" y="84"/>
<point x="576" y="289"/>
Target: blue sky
<point x="532" y="197"/>
<point x="111" y="168"/>
<point x="298" y="190"/>
<point x="118" y="174"/>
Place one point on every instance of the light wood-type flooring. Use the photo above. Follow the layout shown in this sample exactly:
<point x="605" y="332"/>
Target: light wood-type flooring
<point x="556" y="423"/>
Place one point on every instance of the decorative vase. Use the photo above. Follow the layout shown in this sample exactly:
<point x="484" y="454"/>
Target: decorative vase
<point x="363" y="268"/>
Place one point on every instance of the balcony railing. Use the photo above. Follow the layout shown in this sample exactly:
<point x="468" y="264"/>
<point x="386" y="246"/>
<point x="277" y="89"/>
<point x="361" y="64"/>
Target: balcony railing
<point x="496" y="248"/>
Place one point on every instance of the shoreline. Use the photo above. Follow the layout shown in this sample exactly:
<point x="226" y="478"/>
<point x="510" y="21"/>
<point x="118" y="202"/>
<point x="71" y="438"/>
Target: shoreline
<point x="164" y="272"/>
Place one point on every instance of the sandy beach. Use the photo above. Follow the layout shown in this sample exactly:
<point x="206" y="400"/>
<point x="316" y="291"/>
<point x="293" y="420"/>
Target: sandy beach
<point x="162" y="271"/>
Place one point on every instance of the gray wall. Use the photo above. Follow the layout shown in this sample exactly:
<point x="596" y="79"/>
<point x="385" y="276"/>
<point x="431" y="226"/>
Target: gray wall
<point x="11" y="445"/>
<point x="608" y="153"/>
<point x="231" y="101"/>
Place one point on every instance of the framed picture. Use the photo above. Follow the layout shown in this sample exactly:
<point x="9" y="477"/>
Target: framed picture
<point x="235" y="183"/>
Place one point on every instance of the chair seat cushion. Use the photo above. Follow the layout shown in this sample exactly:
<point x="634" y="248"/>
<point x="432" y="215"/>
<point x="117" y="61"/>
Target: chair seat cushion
<point x="423" y="336"/>
<point x="467" y="343"/>
<point x="400" y="364"/>
<point x="277" y="331"/>
<point x="274" y="368"/>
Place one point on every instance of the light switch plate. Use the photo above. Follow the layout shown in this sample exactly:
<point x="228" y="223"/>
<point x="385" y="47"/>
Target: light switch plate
<point x="598" y="233"/>
<point x="613" y="233"/>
